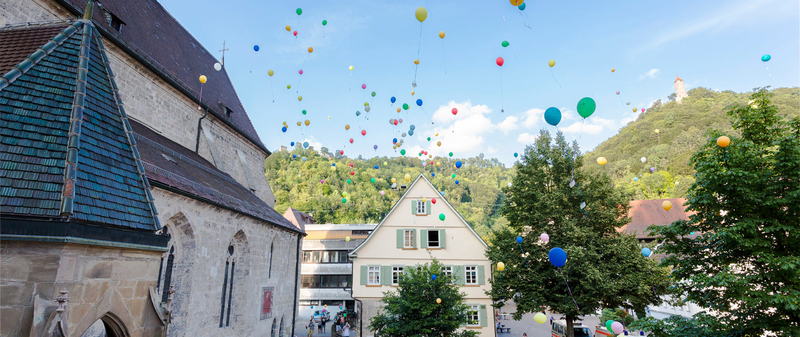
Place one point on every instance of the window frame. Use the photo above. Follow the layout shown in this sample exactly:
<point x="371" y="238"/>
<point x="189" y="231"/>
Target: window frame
<point x="438" y="238"/>
<point x="408" y="238"/>
<point x="397" y="272"/>
<point x="474" y="275"/>
<point x="448" y="271"/>
<point x="476" y="309"/>
<point x="373" y="275"/>
<point x="421" y="208"/>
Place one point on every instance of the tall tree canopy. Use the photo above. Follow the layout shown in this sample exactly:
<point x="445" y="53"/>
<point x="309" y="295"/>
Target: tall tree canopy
<point x="744" y="263"/>
<point x="604" y="267"/>
<point x="413" y="309"/>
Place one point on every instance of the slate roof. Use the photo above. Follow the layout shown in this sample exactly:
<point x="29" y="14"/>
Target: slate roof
<point x="161" y="43"/>
<point x="65" y="149"/>
<point x="170" y="165"/>
<point x="299" y="219"/>
<point x="644" y="213"/>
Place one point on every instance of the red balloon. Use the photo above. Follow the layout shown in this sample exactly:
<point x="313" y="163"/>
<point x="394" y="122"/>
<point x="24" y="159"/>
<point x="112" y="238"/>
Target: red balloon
<point x="352" y="173"/>
<point x="454" y="111"/>
<point x="341" y="152"/>
<point x="395" y="122"/>
<point x="500" y="61"/>
<point x="433" y="201"/>
<point x="351" y="140"/>
<point x="363" y="132"/>
<point x="295" y="33"/>
<point x="351" y="164"/>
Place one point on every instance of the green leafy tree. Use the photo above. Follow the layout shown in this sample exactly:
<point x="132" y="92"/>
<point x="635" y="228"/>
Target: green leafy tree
<point x="413" y="309"/>
<point x="604" y="268"/>
<point x="744" y="263"/>
<point x="699" y="325"/>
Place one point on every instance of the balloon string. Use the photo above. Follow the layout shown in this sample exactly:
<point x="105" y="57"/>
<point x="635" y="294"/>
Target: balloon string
<point x="554" y="77"/>
<point x="444" y="59"/>
<point x="570" y="290"/>
<point x="271" y="90"/>
<point x="501" y="89"/>
<point x="200" y="102"/>
<point x="525" y="20"/>
<point x="419" y="47"/>
<point x="523" y="254"/>
<point x="572" y="165"/>
<point x="770" y="76"/>
<point x="502" y="14"/>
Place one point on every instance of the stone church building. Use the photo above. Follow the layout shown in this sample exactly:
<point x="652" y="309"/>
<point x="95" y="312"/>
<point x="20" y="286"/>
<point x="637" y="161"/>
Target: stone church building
<point x="130" y="207"/>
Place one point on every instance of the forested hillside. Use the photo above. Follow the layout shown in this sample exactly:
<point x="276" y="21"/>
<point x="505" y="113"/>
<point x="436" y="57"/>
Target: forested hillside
<point x="681" y="130"/>
<point x="299" y="184"/>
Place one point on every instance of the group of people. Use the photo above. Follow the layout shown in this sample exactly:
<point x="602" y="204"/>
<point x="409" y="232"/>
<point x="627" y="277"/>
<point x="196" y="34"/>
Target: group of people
<point x="339" y="323"/>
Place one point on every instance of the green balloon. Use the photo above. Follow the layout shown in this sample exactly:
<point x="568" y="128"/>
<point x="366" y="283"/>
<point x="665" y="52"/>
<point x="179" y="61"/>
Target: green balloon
<point x="429" y="139"/>
<point x="420" y="154"/>
<point x="505" y="44"/>
<point x="405" y="106"/>
<point x="451" y="154"/>
<point x="304" y="112"/>
<point x="324" y="22"/>
<point x="454" y="175"/>
<point x="586" y="107"/>
<point x="403" y="152"/>
<point x="344" y="200"/>
<point x="349" y="181"/>
<point x="608" y="324"/>
<point x="299" y="11"/>
<point x="373" y="94"/>
<point x="441" y="216"/>
<point x="373" y="180"/>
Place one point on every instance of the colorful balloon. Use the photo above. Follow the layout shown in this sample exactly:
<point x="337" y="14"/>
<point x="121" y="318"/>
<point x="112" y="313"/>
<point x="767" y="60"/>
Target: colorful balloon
<point x="441" y="34"/>
<point x="305" y="144"/>
<point x="433" y="201"/>
<point x="256" y="48"/>
<point x="666" y="205"/>
<point x="351" y="140"/>
<point x="522" y="6"/>
<point x="405" y="106"/>
<point x="288" y="86"/>
<point x="416" y="61"/>
<point x="544" y="237"/>
<point x="407" y="177"/>
<point x="450" y="154"/>
<point x="458" y="164"/>
<point x="270" y="72"/>
<point x="539" y="317"/>
<point x="519" y="239"/>
<point x="393" y="99"/>
<point x="294" y="33"/>
<point x="646" y="252"/>
<point x="723" y="141"/>
<point x="283" y="129"/>
<point x="617" y="327"/>
<point x="608" y="324"/>
<point x="403" y="152"/>
<point x="363" y="86"/>
<point x="454" y="111"/>
<point x="552" y="63"/>
<point x="363" y="132"/>
<point x="300" y="71"/>
<point x="516" y="2"/>
<point x="419" y="102"/>
<point x="500" y="61"/>
<point x="558" y="257"/>
<point x="351" y="68"/>
<point x="307" y="122"/>
<point x="601" y="160"/>
<point x="421" y="14"/>
<point x="203" y="79"/>
<point x="382" y="193"/>
<point x="504" y="43"/>
<point x="310" y="49"/>
<point x="441" y="217"/>
<point x="766" y="58"/>
<point x="217" y="66"/>
<point x="439" y="143"/>
<point x="347" y="126"/>
<point x="325" y="23"/>
<point x="552" y="116"/>
<point x="586" y="107"/>
<point x="613" y="70"/>
<point x="288" y="28"/>
<point x="299" y="11"/>
<point x="516" y="155"/>
<point x="617" y="92"/>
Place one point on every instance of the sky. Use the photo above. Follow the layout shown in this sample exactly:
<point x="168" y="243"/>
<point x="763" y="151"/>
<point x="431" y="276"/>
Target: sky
<point x="712" y="44"/>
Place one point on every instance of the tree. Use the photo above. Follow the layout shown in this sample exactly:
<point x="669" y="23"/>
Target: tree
<point x="604" y="269"/>
<point x="744" y="263"/>
<point x="413" y="311"/>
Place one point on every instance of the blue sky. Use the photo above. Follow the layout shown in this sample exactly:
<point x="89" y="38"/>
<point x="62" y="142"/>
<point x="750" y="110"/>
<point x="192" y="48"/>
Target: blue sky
<point x="713" y="44"/>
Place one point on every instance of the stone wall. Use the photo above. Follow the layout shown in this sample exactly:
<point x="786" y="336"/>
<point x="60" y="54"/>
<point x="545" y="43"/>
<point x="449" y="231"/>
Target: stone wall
<point x="201" y="234"/>
<point x="100" y="281"/>
<point x="160" y="106"/>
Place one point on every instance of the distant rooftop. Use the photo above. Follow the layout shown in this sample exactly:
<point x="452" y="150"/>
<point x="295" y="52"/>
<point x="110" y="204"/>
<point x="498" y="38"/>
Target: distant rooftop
<point x="644" y="213"/>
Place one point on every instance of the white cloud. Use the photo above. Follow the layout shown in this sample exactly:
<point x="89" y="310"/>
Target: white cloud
<point x="533" y="117"/>
<point x="491" y="150"/>
<point x="591" y="126"/>
<point x="508" y="124"/>
<point x="527" y="138"/>
<point x="464" y="132"/>
<point x="313" y="142"/>
<point x="651" y="74"/>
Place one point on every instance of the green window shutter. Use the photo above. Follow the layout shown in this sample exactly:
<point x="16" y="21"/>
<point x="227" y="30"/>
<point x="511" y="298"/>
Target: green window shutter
<point x="400" y="238"/>
<point x="413" y="238"/>
<point x="428" y="207"/>
<point x="442" y="238"/>
<point x="424" y="238"/>
<point x="386" y="275"/>
<point x="414" y="207"/>
<point x="458" y="275"/>
<point x="481" y="278"/>
<point x="482" y="316"/>
<point x="363" y="275"/>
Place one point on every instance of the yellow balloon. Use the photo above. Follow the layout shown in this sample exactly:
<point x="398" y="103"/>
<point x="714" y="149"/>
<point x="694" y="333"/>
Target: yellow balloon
<point x="385" y="163"/>
<point x="394" y="147"/>
<point x="351" y="68"/>
<point x="299" y="123"/>
<point x="398" y="110"/>
<point x="347" y="126"/>
<point x="203" y="79"/>
<point x="516" y="3"/>
<point x="407" y="177"/>
<point x="310" y="49"/>
<point x="270" y="72"/>
<point x="657" y="131"/>
<point x="288" y="28"/>
<point x="552" y="63"/>
<point x="333" y="168"/>
<point x="437" y="135"/>
<point x="430" y="156"/>
<point x="394" y="180"/>
<point x="613" y="70"/>
<point x="438" y="301"/>
<point x="412" y="92"/>
<point x="441" y="34"/>
<point x="288" y="86"/>
<point x="308" y="122"/>
<point x="501" y="266"/>
<point x="635" y="109"/>
<point x="723" y="141"/>
<point x="329" y="117"/>
<point x="416" y="61"/>
<point x="424" y="199"/>
<point x="437" y="164"/>
<point x="347" y="238"/>
<point x="439" y="143"/>
<point x="601" y="160"/>
<point x="667" y="205"/>
<point x="366" y="103"/>
<point x="540" y="318"/>
<point x="299" y="98"/>
<point x="421" y="14"/>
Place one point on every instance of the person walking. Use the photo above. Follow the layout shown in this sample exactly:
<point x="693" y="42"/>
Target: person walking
<point x="310" y="327"/>
<point x="346" y="332"/>
<point x="323" y="323"/>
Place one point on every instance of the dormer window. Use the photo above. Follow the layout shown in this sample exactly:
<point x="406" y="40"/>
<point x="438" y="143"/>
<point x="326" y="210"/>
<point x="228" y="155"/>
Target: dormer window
<point x="112" y="19"/>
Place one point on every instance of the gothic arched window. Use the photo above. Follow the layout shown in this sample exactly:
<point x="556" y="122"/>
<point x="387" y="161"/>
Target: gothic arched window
<point x="270" y="259"/>
<point x="280" y="334"/>
<point x="274" y="326"/>
<point x="168" y="274"/>
<point x="227" y="289"/>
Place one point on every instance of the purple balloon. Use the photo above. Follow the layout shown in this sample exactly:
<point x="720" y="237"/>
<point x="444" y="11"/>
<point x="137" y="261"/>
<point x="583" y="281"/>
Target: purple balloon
<point x="617" y="327"/>
<point x="375" y="147"/>
<point x="382" y="193"/>
<point x="322" y="181"/>
<point x="544" y="237"/>
<point x="652" y="169"/>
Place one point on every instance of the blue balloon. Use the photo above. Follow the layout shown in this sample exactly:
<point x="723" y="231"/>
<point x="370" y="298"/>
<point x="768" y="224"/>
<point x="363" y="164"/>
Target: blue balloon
<point x="256" y="48"/>
<point x="292" y="143"/>
<point x="458" y="164"/>
<point x="519" y="239"/>
<point x="284" y="129"/>
<point x="692" y="233"/>
<point x="635" y="178"/>
<point x="442" y="193"/>
<point x="394" y="140"/>
<point x="419" y="102"/>
<point x="433" y="174"/>
<point x="304" y="158"/>
<point x="393" y="99"/>
<point x="433" y="276"/>
<point x="456" y="181"/>
<point x="558" y="257"/>
<point x="412" y="127"/>
<point x="552" y="116"/>
<point x="766" y="58"/>
<point x="646" y="252"/>
<point x="377" y="167"/>
<point x="410" y="132"/>
<point x="522" y="6"/>
<point x="305" y="144"/>
<point x="358" y="113"/>
<point x="294" y="156"/>
<point x="333" y="164"/>
<point x="516" y="154"/>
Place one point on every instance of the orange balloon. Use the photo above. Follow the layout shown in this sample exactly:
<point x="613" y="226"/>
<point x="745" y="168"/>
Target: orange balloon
<point x="347" y="126"/>
<point x="398" y="110"/>
<point x="723" y="141"/>
<point x="416" y="61"/>
<point x="441" y="34"/>
<point x="310" y="49"/>
<point x="516" y="2"/>
<point x="613" y="70"/>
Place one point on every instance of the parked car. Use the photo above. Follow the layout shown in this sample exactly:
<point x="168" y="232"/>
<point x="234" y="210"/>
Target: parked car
<point x="349" y="312"/>
<point x="559" y="329"/>
<point x="319" y="314"/>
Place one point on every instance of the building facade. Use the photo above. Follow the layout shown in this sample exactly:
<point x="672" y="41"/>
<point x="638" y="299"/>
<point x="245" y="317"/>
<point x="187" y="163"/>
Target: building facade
<point x="410" y="234"/>
<point x="680" y="90"/>
<point x="327" y="272"/>
<point x="103" y="129"/>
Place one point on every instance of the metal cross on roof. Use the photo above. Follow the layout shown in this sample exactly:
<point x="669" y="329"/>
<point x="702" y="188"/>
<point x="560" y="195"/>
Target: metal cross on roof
<point x="223" y="53"/>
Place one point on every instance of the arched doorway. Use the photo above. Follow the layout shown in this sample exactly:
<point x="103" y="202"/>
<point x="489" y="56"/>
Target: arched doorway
<point x="107" y="326"/>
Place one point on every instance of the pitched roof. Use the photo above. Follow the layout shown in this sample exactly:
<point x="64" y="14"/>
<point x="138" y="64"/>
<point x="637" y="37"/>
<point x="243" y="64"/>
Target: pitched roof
<point x="66" y="149"/>
<point x="172" y="166"/>
<point x="678" y="79"/>
<point x="151" y="35"/>
<point x="644" y="213"/>
<point x="298" y="218"/>
<point x="425" y="179"/>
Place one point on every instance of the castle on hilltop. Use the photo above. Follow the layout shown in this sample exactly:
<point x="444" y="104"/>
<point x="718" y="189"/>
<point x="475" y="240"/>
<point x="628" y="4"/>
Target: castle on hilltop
<point x="680" y="90"/>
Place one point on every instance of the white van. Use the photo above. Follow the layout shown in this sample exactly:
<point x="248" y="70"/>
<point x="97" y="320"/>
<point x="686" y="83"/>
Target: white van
<point x="559" y="329"/>
<point x="601" y="331"/>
